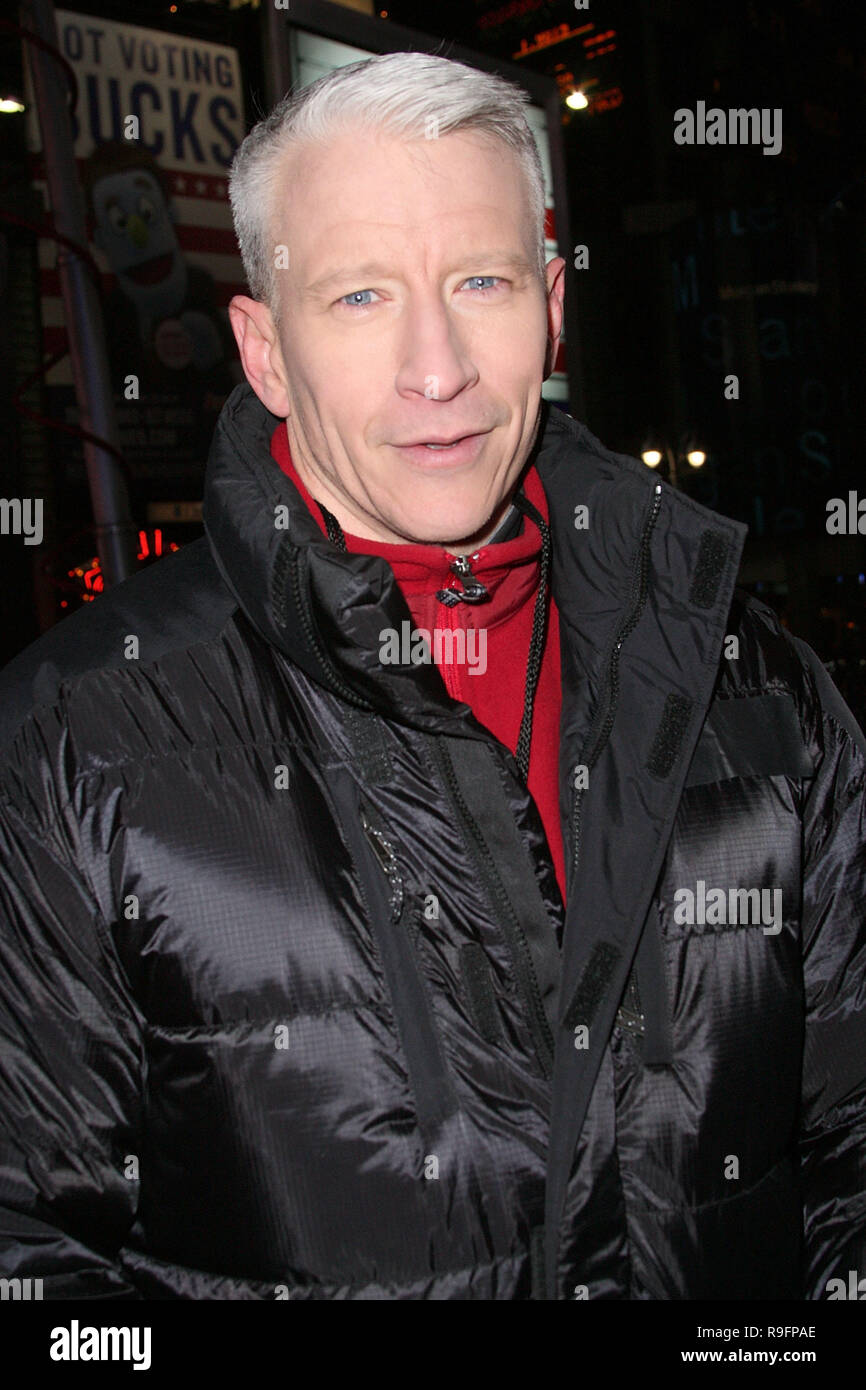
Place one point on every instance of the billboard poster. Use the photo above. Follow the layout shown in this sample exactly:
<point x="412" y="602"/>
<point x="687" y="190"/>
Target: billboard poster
<point x="156" y="124"/>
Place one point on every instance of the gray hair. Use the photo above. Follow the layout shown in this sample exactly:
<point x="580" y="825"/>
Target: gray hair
<point x="412" y="94"/>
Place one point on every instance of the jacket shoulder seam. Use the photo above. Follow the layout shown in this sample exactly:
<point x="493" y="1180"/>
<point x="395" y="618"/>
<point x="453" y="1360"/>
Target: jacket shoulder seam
<point x="67" y="687"/>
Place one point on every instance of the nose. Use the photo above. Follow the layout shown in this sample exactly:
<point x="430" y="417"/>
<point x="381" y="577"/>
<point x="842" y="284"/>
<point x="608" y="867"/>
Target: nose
<point x="435" y="359"/>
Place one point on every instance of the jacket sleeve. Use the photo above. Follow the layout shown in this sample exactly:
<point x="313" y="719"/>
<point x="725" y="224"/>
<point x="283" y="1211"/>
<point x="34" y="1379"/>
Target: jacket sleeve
<point x="833" y="1116"/>
<point x="71" y="1073"/>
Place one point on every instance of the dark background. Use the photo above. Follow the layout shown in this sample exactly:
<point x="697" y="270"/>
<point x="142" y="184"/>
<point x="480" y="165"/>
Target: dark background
<point x="703" y="261"/>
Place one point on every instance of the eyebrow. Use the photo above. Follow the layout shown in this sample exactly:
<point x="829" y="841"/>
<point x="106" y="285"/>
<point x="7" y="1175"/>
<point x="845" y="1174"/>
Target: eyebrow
<point x="372" y="270"/>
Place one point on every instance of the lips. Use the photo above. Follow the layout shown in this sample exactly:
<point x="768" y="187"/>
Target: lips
<point x="437" y="442"/>
<point x="457" y="449"/>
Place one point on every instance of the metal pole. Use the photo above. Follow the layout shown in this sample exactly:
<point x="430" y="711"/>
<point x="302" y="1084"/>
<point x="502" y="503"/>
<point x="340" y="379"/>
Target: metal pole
<point x="83" y="310"/>
<point x="278" y="72"/>
<point x="661" y="147"/>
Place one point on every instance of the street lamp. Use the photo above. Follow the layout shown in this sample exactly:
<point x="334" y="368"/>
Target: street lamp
<point x="656" y="449"/>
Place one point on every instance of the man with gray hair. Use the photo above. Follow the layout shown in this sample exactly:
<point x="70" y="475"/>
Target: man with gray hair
<point x="333" y="965"/>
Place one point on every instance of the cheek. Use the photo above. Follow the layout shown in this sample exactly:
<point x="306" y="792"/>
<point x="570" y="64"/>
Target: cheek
<point x="317" y="379"/>
<point x="345" y="378"/>
<point x="332" y="403"/>
<point x="514" y="344"/>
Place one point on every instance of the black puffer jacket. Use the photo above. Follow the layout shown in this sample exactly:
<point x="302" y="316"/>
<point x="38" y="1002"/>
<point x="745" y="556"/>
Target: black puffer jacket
<point x="287" y="1002"/>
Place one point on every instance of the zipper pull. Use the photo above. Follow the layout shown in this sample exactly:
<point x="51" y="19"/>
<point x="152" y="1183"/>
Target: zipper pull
<point x="387" y="861"/>
<point x="474" y="592"/>
<point x="461" y="566"/>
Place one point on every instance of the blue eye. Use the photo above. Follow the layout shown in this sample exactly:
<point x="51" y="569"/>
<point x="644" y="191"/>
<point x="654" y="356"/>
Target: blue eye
<point x="361" y="299"/>
<point x="476" y="281"/>
<point x="356" y="300"/>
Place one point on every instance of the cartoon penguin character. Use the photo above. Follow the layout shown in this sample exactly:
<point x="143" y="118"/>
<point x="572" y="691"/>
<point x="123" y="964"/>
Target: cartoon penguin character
<point x="178" y="320"/>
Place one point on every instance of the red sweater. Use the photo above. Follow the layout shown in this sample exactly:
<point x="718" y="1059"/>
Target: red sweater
<point x="510" y="571"/>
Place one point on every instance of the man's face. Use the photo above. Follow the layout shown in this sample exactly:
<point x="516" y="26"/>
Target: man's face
<point x="412" y="312"/>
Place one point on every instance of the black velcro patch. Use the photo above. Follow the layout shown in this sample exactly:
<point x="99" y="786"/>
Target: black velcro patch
<point x="479" y="990"/>
<point x="712" y="556"/>
<point x="368" y="743"/>
<point x="592" y="984"/>
<point x="751" y="736"/>
<point x="669" y="735"/>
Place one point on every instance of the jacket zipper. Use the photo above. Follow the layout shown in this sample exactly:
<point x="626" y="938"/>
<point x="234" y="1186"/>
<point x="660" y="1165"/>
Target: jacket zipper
<point x="513" y="932"/>
<point x="630" y="1015"/>
<point x="603" y="722"/>
<point x="388" y="862"/>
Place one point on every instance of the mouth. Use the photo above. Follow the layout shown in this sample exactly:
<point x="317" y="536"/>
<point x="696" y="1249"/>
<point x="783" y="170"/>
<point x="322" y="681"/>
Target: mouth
<point x="435" y="452"/>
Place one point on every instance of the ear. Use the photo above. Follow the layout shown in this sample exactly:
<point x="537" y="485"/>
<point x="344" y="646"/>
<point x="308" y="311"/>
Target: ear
<point x="259" y="347"/>
<point x="554" y="275"/>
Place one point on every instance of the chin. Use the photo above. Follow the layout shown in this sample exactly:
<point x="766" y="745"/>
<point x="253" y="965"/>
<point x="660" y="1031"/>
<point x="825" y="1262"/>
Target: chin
<point x="445" y="531"/>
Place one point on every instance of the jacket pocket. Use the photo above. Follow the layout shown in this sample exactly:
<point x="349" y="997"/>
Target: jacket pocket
<point x="394" y="925"/>
<point x="645" y="1011"/>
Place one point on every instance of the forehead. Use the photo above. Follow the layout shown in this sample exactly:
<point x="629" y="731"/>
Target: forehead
<point x="368" y="183"/>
